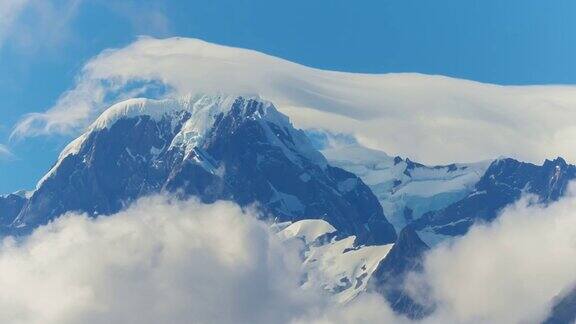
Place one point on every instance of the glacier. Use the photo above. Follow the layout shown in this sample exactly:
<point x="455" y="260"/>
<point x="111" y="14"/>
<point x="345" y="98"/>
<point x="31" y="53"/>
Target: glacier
<point x="406" y="190"/>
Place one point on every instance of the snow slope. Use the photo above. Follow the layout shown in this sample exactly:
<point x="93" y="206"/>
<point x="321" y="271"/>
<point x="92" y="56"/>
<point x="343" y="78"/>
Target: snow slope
<point x="337" y="266"/>
<point x="308" y="229"/>
<point x="406" y="190"/>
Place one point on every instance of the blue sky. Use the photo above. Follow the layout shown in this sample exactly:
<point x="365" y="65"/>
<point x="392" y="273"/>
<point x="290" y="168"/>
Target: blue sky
<point x="503" y="42"/>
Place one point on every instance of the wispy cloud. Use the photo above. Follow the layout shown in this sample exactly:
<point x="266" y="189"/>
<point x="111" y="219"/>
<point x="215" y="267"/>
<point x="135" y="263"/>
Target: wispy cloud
<point x="145" y="17"/>
<point x="5" y="153"/>
<point x="32" y="25"/>
<point x="430" y="118"/>
<point x="9" y="12"/>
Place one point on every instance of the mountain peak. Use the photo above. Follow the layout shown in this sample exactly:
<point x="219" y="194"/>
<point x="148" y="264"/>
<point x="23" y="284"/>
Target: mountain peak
<point x="201" y="111"/>
<point x="210" y="147"/>
<point x="197" y="105"/>
<point x="557" y="162"/>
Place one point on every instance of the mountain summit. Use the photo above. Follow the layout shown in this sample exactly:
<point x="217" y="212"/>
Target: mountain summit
<point x="209" y="147"/>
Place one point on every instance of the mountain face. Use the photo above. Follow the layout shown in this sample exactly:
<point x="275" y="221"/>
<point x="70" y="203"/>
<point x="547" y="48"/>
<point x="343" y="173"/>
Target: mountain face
<point x="563" y="310"/>
<point x="440" y="202"/>
<point x="10" y="206"/>
<point x="505" y="181"/>
<point x="209" y="147"/>
<point x="406" y="189"/>
<point x="444" y="201"/>
<point x="242" y="149"/>
<point x="405" y="257"/>
<point x="337" y="266"/>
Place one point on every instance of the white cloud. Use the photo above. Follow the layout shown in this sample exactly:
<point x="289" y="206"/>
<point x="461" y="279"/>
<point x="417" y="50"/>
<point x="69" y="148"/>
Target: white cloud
<point x="72" y="109"/>
<point x="9" y="12"/>
<point x="433" y="119"/>
<point x="365" y="309"/>
<point x="5" y="152"/>
<point x="160" y="261"/>
<point x="166" y="261"/>
<point x="508" y="271"/>
<point x="33" y="25"/>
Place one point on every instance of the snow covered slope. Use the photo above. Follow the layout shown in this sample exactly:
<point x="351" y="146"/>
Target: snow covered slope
<point x="406" y="190"/>
<point x="337" y="266"/>
<point x="308" y="230"/>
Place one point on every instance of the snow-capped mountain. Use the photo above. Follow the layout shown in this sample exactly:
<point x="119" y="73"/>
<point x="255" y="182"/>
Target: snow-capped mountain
<point x="440" y="202"/>
<point x="406" y="190"/>
<point x="210" y="147"/>
<point x="444" y="201"/>
<point x="503" y="183"/>
<point x="334" y="198"/>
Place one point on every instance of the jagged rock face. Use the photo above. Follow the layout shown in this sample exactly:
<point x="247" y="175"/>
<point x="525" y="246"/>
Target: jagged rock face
<point x="113" y="167"/>
<point x="249" y="153"/>
<point x="405" y="257"/>
<point x="10" y="206"/>
<point x="564" y="309"/>
<point x="503" y="183"/>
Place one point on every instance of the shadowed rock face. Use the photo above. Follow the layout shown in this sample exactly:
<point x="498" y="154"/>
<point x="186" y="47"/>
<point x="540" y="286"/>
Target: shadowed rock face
<point x="10" y="206"/>
<point x="251" y="154"/>
<point x="564" y="310"/>
<point x="388" y="279"/>
<point x="503" y="183"/>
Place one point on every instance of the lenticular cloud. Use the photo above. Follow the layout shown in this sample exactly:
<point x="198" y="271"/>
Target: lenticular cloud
<point x="414" y="115"/>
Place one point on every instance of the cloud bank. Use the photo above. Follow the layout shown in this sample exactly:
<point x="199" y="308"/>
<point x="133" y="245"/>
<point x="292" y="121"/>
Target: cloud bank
<point x="168" y="261"/>
<point x="157" y="262"/>
<point x="160" y="261"/>
<point x="508" y="271"/>
<point x="433" y="119"/>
